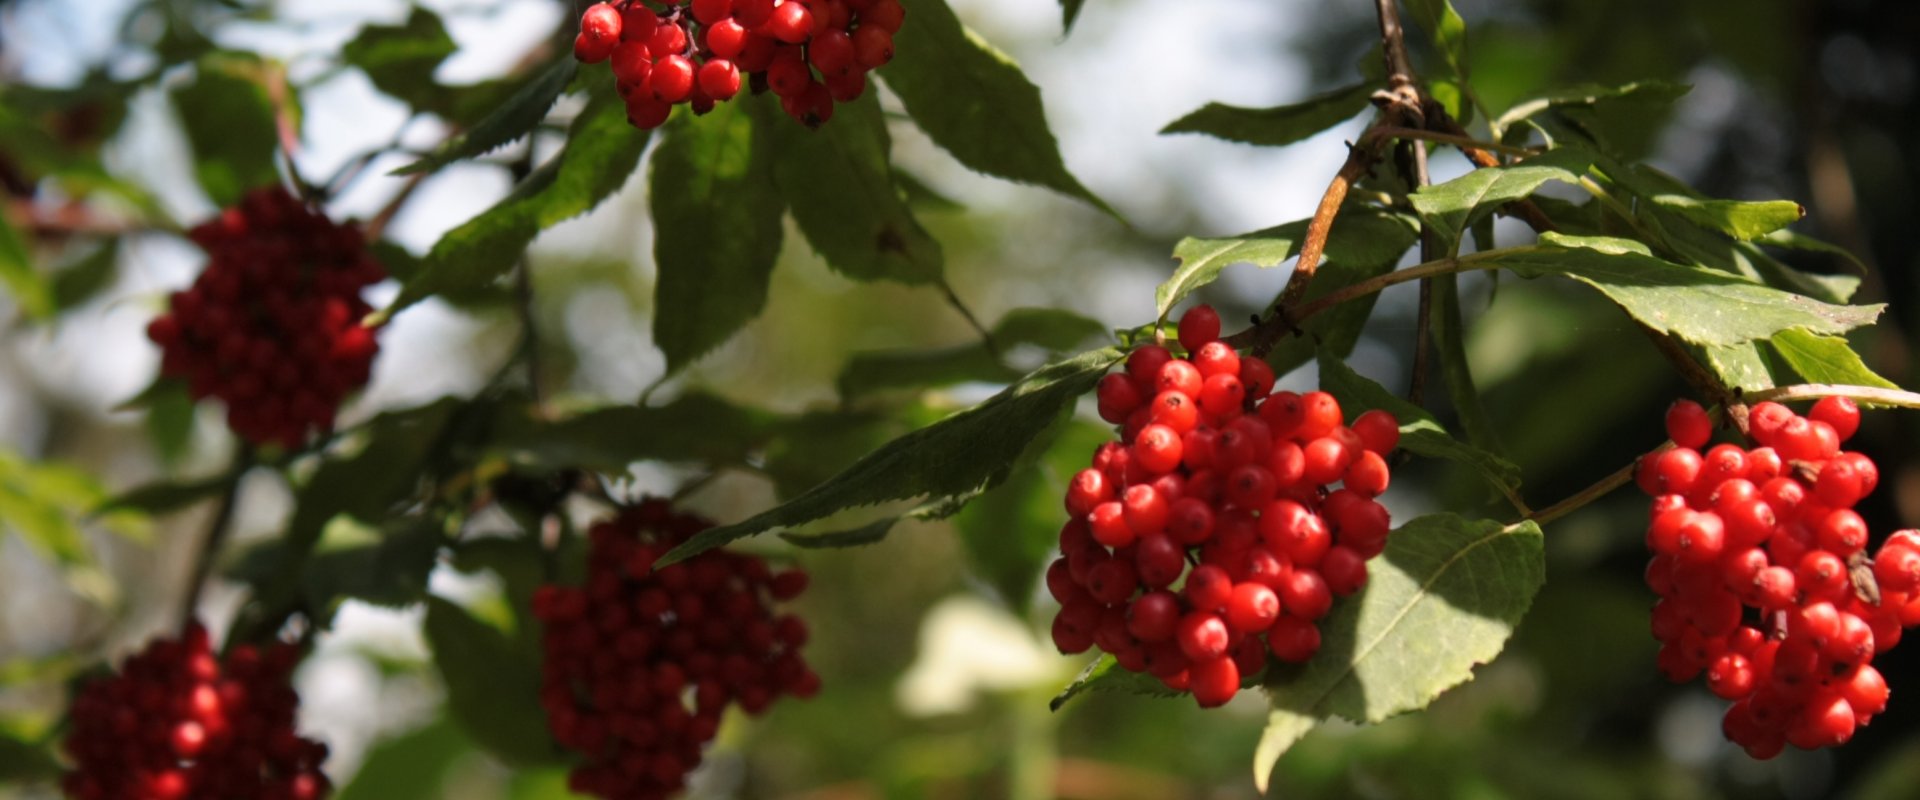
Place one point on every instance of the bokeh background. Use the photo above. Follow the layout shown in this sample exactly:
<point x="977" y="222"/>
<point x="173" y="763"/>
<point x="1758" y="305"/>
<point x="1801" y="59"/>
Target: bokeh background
<point x="936" y="684"/>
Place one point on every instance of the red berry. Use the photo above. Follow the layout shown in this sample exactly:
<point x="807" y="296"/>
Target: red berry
<point x="791" y="22"/>
<point x="1213" y="681"/>
<point x="1840" y="412"/>
<point x="1252" y="608"/>
<point x="1200" y="325"/>
<point x="1202" y="636"/>
<point x="672" y="79"/>
<point x="719" y="78"/>
<point x="1293" y="640"/>
<point x="1688" y="425"/>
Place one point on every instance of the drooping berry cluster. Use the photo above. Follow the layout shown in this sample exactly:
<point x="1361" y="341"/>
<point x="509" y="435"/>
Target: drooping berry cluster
<point x="1213" y="470"/>
<point x="640" y="663"/>
<point x="272" y="326"/>
<point x="811" y="53"/>
<point x="179" y="723"/>
<point x="1766" y="586"/>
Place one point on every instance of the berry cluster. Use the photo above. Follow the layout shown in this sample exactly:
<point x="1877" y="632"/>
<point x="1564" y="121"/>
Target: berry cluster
<point x="178" y="723"/>
<point x="640" y="663"/>
<point x="696" y="52"/>
<point x="1212" y="469"/>
<point x="1765" y="583"/>
<point x="272" y="326"/>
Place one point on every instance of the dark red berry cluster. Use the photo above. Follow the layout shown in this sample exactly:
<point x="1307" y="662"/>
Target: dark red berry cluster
<point x="179" y="723"/>
<point x="272" y="326"/>
<point x="1765" y="583"/>
<point x="811" y="53"/>
<point x="1211" y="470"/>
<point x="640" y="663"/>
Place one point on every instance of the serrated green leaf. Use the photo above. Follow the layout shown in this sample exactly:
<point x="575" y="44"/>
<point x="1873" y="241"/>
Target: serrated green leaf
<point x="511" y="120"/>
<point x="1592" y="96"/>
<point x="1742" y="220"/>
<point x="1362" y="236"/>
<point x="169" y="418"/>
<point x="1451" y="208"/>
<point x="813" y="447"/>
<point x="1605" y="244"/>
<point x="693" y="427"/>
<point x="400" y="59"/>
<point x="29" y="288"/>
<point x="1825" y="359"/>
<point x="1420" y="433"/>
<point x="871" y="533"/>
<point x="1442" y="599"/>
<point x="840" y="188"/>
<point x="1104" y="674"/>
<point x="228" y="119"/>
<point x="493" y="685"/>
<point x="974" y="102"/>
<point x="1054" y="330"/>
<point x="1745" y="366"/>
<point x="167" y="496"/>
<point x="716" y="230"/>
<point x="954" y="457"/>
<point x="1010" y="533"/>
<point x="1699" y="305"/>
<point x="1278" y="125"/>
<point x="412" y="764"/>
<point x="601" y="152"/>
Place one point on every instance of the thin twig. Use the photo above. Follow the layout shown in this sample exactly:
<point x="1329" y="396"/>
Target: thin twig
<point x="1463" y="142"/>
<point x="1599" y="489"/>
<point x="1360" y="158"/>
<point x="70" y="219"/>
<point x="1423" y="323"/>
<point x="529" y="334"/>
<point x="288" y="133"/>
<point x="986" y="337"/>
<point x="217" y="533"/>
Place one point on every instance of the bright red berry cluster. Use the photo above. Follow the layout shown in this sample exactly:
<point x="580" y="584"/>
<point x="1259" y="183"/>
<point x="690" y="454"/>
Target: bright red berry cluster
<point x="272" y="326"/>
<point x="640" y="663"/>
<point x="179" y="723"/>
<point x="1212" y="470"/>
<point x="811" y="53"/>
<point x="1765" y="582"/>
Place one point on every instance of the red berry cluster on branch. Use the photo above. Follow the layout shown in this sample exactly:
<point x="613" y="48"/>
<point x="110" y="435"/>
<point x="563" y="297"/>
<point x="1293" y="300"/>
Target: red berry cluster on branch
<point x="179" y="723"/>
<point x="1211" y="470"/>
<point x="640" y="663"/>
<point x="811" y="53"/>
<point x="272" y="325"/>
<point x="1764" y="577"/>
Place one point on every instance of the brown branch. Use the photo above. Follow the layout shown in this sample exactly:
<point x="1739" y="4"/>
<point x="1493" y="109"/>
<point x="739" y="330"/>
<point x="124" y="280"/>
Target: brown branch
<point x="69" y="219"/>
<point x="1423" y="323"/>
<point x="1360" y="158"/>
<point x="1461" y="141"/>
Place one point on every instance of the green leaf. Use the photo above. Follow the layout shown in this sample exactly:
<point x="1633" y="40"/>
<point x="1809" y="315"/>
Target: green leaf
<point x="871" y="533"/>
<point x="169" y="420"/>
<point x="1742" y="220"/>
<point x="1104" y="674"/>
<point x="1449" y="342"/>
<point x="167" y="496"/>
<point x="1362" y="236"/>
<point x="716" y="230"/>
<point x="1448" y="30"/>
<point x="972" y="100"/>
<point x="1451" y="208"/>
<point x="1443" y="598"/>
<point x="386" y="566"/>
<point x="1279" y="125"/>
<point x="28" y="287"/>
<point x="401" y="59"/>
<point x="1746" y="366"/>
<point x="840" y="188"/>
<point x="45" y="503"/>
<point x="511" y="120"/>
<point x="83" y="279"/>
<point x="228" y="119"/>
<point x="493" y="685"/>
<point x="1420" y="433"/>
<point x="1051" y="329"/>
<point x="1069" y="11"/>
<point x="1825" y="359"/>
<point x="954" y="457"/>
<point x="601" y="151"/>
<point x="1013" y="531"/>
<point x="25" y="763"/>
<point x="1699" y="305"/>
<point x="693" y="427"/>
<point x="412" y="764"/>
<point x="1590" y="96"/>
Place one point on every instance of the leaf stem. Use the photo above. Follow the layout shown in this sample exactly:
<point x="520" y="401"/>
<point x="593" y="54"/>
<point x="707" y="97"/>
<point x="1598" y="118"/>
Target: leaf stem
<point x="217" y="532"/>
<point x="1812" y="391"/>
<point x="986" y="336"/>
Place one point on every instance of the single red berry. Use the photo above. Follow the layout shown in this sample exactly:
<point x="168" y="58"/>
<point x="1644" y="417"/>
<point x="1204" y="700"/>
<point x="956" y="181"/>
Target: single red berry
<point x="1688" y="425"/>
<point x="1200" y="325"/>
<point x="1252" y="608"/>
<point x="1213" y="681"/>
<point x="719" y="78"/>
<point x="1293" y="640"/>
<point x="1202" y="635"/>
<point x="1840" y="412"/>
<point x="672" y="78"/>
<point x="791" y="22"/>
